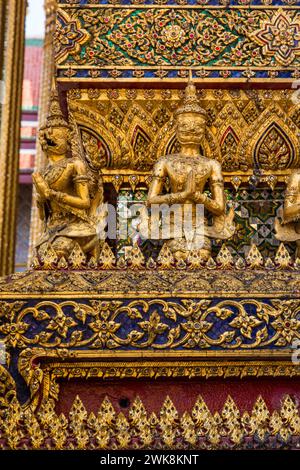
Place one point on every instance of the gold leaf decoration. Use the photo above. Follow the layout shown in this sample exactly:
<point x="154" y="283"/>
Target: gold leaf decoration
<point x="140" y="428"/>
<point x="77" y="258"/>
<point x="282" y="257"/>
<point x="107" y="259"/>
<point x="254" y="258"/>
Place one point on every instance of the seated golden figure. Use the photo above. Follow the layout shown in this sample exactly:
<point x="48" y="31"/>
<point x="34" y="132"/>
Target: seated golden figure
<point x="67" y="194"/>
<point x="188" y="173"/>
<point x="288" y="229"/>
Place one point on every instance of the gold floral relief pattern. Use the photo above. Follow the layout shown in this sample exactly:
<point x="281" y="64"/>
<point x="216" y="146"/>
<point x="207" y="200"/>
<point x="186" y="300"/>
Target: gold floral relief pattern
<point x="7" y="388"/>
<point x="279" y="37"/>
<point x="156" y="324"/>
<point x="132" y="128"/>
<point x="172" y="37"/>
<point x="275" y="150"/>
<point x="108" y="428"/>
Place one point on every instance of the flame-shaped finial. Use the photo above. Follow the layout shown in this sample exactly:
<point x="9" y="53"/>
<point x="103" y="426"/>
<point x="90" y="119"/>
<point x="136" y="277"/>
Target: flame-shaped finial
<point x="55" y="116"/>
<point x="190" y="102"/>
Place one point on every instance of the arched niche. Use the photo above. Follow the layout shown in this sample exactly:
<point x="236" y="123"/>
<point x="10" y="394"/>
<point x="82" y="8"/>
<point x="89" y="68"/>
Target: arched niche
<point x="228" y="148"/>
<point x="112" y="143"/>
<point x="271" y="143"/>
<point x="97" y="151"/>
<point x="274" y="149"/>
<point x="140" y="137"/>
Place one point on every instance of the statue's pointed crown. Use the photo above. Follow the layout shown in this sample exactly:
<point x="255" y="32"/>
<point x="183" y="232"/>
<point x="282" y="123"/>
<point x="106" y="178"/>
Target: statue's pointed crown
<point x="55" y="116"/>
<point x="190" y="103"/>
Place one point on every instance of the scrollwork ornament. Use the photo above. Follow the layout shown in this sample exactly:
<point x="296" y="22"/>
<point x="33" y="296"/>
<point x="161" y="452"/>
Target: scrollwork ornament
<point x="155" y="36"/>
<point x="157" y="323"/>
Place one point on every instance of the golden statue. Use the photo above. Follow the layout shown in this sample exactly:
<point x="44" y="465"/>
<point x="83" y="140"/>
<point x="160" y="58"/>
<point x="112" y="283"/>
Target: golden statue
<point x="68" y="195"/>
<point x="288" y="229"/>
<point x="188" y="173"/>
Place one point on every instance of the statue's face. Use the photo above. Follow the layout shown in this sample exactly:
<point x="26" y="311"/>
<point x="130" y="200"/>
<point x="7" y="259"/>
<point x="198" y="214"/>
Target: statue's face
<point x="54" y="140"/>
<point x="190" y="128"/>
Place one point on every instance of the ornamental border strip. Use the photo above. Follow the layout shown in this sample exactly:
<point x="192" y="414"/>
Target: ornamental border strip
<point x="107" y="48"/>
<point x="152" y="325"/>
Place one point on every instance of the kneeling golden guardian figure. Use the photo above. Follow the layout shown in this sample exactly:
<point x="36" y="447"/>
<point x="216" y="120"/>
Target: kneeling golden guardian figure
<point x="67" y="194"/>
<point x="288" y="229"/>
<point x="188" y="173"/>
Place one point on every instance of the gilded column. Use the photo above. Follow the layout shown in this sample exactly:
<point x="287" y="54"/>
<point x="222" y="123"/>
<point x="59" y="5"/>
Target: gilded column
<point x="45" y="89"/>
<point x="10" y="130"/>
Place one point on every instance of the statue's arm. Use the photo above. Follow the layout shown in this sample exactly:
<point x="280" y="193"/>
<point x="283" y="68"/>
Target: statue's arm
<point x="41" y="187"/>
<point x="156" y="187"/>
<point x="216" y="203"/>
<point x="291" y="210"/>
<point x="80" y="178"/>
<point x="158" y="179"/>
<point x="82" y="199"/>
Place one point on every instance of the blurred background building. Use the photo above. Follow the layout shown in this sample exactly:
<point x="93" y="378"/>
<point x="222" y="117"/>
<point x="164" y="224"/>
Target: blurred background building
<point x="29" y="124"/>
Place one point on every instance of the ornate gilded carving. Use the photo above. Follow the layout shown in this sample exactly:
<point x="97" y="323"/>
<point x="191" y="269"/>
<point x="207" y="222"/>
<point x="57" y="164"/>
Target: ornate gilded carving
<point x="156" y="323"/>
<point x="96" y="151"/>
<point x="150" y="41"/>
<point x="199" y="427"/>
<point x="279" y="37"/>
<point x="188" y="172"/>
<point x="68" y="193"/>
<point x="58" y="364"/>
<point x="289" y="228"/>
<point x="274" y="151"/>
<point x="49" y="260"/>
<point x="39" y="385"/>
<point x="141" y="143"/>
<point x="254" y="258"/>
<point x="244" y="130"/>
<point x="155" y="369"/>
<point x="273" y="142"/>
<point x="7" y="389"/>
<point x="81" y="314"/>
<point x="163" y="276"/>
<point x="70" y="35"/>
<point x="184" y="283"/>
<point x="228" y="149"/>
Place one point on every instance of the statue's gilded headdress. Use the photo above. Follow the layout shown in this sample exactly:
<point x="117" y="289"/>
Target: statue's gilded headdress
<point x="190" y="102"/>
<point x="55" y="116"/>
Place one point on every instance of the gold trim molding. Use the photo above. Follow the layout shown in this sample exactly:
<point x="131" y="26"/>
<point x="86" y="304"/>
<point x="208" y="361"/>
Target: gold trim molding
<point x="45" y="370"/>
